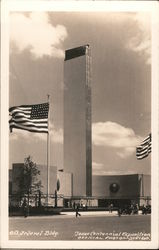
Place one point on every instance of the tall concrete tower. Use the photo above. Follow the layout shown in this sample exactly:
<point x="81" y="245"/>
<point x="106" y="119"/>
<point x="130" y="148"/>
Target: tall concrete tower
<point x="77" y="119"/>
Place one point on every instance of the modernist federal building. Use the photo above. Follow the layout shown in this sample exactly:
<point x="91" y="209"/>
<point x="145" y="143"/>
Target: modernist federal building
<point x="76" y="181"/>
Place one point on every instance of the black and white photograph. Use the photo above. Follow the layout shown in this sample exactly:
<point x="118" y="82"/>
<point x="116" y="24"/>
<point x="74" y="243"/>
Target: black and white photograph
<point x="79" y="124"/>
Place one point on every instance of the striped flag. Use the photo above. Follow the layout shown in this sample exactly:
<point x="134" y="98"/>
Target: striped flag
<point x="144" y="148"/>
<point x="33" y="118"/>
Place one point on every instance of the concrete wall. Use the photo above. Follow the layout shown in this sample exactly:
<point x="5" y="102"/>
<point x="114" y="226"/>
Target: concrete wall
<point x="17" y="170"/>
<point x="65" y="183"/>
<point x="125" y="186"/>
<point x="52" y="178"/>
<point x="77" y="123"/>
<point x="145" y="185"/>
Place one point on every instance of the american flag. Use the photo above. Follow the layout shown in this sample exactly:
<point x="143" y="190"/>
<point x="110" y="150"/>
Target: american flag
<point x="33" y="118"/>
<point x="144" y="148"/>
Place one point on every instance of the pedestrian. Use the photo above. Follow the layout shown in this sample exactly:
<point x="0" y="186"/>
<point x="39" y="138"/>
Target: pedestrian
<point x="74" y="206"/>
<point x="25" y="208"/>
<point x="84" y="206"/>
<point x="111" y="208"/>
<point x="77" y="209"/>
<point x="144" y="210"/>
<point x="119" y="211"/>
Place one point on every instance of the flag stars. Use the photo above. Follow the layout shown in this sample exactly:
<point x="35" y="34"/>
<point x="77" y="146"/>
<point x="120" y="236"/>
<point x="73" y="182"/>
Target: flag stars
<point x="40" y="111"/>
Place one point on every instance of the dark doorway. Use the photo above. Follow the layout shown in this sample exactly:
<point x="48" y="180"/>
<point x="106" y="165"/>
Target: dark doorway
<point x="116" y="202"/>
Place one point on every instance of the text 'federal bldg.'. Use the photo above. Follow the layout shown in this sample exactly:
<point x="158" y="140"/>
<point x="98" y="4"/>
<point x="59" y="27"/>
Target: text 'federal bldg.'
<point x="77" y="119"/>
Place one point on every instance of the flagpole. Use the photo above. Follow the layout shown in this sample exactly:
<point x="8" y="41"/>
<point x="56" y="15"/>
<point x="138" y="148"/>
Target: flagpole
<point x="48" y="154"/>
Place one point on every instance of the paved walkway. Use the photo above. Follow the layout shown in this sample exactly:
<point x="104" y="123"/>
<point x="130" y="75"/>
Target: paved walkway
<point x="72" y="214"/>
<point x="90" y="213"/>
<point x="94" y="213"/>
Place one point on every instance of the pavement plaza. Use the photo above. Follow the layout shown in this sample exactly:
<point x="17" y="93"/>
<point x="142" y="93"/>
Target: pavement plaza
<point x="89" y="226"/>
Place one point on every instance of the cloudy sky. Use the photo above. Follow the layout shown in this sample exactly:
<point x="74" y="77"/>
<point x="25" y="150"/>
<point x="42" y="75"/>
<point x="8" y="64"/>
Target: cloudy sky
<point x="121" y="83"/>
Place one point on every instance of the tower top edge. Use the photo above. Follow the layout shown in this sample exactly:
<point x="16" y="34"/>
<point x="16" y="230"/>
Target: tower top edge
<point x="76" y="52"/>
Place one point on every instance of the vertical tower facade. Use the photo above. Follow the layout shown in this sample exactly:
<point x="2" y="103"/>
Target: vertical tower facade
<point x="77" y="119"/>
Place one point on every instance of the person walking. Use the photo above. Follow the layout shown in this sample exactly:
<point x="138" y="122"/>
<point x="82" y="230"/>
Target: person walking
<point x="144" y="210"/>
<point x="77" y="209"/>
<point x="119" y="211"/>
<point x="74" y="205"/>
<point x="111" y="208"/>
<point x="25" y="208"/>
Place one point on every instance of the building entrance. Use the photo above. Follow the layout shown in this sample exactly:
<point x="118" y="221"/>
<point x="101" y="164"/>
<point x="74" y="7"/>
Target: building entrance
<point x="115" y="202"/>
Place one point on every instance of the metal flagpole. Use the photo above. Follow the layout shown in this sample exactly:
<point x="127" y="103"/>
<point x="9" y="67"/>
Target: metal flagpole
<point x="48" y="154"/>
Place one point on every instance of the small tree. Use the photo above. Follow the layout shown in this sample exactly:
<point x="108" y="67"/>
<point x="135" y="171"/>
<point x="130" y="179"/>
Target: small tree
<point x="28" y="181"/>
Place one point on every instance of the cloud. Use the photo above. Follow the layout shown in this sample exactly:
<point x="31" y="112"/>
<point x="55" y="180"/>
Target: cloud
<point x="116" y="136"/>
<point x="104" y="134"/>
<point x="36" y="33"/>
<point x="104" y="172"/>
<point x="96" y="165"/>
<point x="17" y="133"/>
<point x="56" y="135"/>
<point x="97" y="168"/>
<point x="141" y="42"/>
<point x="102" y="169"/>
